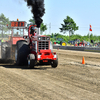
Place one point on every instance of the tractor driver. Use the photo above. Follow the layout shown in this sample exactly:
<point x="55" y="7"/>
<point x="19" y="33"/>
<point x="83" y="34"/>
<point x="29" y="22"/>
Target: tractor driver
<point x="32" y="30"/>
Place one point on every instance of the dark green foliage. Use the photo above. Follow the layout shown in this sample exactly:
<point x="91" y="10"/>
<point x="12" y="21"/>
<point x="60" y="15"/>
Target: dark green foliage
<point x="32" y="21"/>
<point x="69" y="25"/>
<point x="3" y="24"/>
<point x="75" y="36"/>
<point x="52" y="39"/>
<point x="43" y="27"/>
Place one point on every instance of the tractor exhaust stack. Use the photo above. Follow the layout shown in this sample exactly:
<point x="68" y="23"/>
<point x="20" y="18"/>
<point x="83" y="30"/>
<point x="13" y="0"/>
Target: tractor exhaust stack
<point x="38" y="31"/>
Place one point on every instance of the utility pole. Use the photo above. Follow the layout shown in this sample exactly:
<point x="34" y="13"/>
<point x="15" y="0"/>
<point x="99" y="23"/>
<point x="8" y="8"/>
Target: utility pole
<point x="89" y="36"/>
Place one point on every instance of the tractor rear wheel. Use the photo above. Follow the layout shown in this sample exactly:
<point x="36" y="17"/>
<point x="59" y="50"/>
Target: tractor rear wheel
<point x="31" y="61"/>
<point x="22" y="50"/>
<point x="5" y="51"/>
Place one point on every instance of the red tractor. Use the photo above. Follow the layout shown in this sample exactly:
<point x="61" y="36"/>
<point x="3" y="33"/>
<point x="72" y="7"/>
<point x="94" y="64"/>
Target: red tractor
<point x="17" y="31"/>
<point x="34" y="49"/>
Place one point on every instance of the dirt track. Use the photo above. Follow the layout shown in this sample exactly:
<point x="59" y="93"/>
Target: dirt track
<point x="69" y="81"/>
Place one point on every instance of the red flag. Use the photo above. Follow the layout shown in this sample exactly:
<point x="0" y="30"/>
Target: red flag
<point x="90" y="28"/>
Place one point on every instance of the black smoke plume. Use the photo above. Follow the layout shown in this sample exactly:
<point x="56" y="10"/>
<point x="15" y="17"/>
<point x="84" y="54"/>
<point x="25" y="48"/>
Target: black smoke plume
<point x="37" y="10"/>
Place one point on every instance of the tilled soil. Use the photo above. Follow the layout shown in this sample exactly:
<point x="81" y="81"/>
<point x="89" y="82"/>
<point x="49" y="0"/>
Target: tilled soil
<point x="69" y="81"/>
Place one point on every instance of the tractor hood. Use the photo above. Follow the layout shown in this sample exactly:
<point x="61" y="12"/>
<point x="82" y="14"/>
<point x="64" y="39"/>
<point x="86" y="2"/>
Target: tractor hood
<point x="40" y="38"/>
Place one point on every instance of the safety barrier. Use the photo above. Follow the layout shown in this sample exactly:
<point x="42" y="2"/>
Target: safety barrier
<point x="90" y="49"/>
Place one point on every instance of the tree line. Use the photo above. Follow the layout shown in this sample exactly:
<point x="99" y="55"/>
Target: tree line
<point x="73" y="37"/>
<point x="68" y="25"/>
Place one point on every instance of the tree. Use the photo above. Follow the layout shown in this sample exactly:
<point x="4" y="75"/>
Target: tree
<point x="43" y="28"/>
<point x="32" y="21"/>
<point x="52" y="35"/>
<point x="69" y="25"/>
<point x="3" y="23"/>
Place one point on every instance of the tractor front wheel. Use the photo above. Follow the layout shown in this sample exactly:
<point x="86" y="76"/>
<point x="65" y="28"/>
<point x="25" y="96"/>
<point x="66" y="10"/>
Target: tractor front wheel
<point x="31" y="61"/>
<point x="54" y="63"/>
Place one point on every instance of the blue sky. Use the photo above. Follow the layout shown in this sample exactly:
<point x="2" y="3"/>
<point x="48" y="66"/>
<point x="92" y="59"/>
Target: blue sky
<point x="84" y="13"/>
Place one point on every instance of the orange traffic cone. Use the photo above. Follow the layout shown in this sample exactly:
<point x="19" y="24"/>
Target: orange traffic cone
<point x="83" y="60"/>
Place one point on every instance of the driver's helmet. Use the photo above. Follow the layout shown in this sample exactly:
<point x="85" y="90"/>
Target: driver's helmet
<point x="32" y="29"/>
